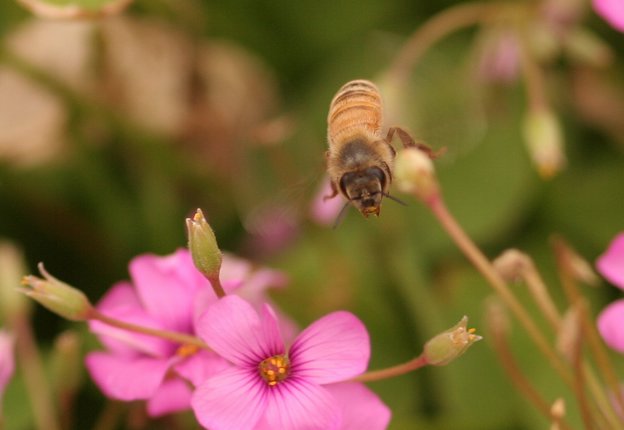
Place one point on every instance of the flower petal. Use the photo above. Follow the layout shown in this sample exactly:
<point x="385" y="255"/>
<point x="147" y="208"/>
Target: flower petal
<point x="611" y="325"/>
<point x="201" y="366"/>
<point x="233" y="329"/>
<point x="611" y="263"/>
<point x="122" y="303"/>
<point x="361" y="408"/>
<point x="612" y="11"/>
<point x="300" y="405"/>
<point x="7" y="360"/>
<point x="125" y="378"/>
<point x="173" y="395"/>
<point x="167" y="287"/>
<point x="234" y="399"/>
<point x="332" y="349"/>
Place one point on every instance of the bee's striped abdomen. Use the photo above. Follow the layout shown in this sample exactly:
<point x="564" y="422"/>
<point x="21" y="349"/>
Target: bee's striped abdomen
<point x="355" y="109"/>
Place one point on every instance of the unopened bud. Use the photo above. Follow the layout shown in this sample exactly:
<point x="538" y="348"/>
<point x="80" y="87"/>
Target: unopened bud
<point x="450" y="344"/>
<point x="203" y="246"/>
<point x="12" y="268"/>
<point x="573" y="263"/>
<point x="544" y="140"/>
<point x="512" y="264"/>
<point x="414" y="173"/>
<point x="57" y="296"/>
<point x="497" y="317"/>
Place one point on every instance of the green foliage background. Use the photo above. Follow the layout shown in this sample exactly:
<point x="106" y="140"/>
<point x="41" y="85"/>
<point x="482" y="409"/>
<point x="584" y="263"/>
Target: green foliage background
<point x="88" y="215"/>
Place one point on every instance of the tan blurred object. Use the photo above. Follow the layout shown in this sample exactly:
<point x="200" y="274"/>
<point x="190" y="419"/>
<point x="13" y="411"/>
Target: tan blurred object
<point x="148" y="66"/>
<point x="236" y="95"/>
<point x="32" y="120"/>
<point x="46" y="9"/>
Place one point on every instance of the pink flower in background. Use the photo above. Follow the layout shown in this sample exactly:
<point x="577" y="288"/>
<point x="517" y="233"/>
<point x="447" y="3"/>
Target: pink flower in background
<point x="611" y="11"/>
<point x="7" y="361"/>
<point x="270" y="387"/>
<point x="500" y="58"/>
<point x="325" y="211"/>
<point x="166" y="293"/>
<point x="611" y="319"/>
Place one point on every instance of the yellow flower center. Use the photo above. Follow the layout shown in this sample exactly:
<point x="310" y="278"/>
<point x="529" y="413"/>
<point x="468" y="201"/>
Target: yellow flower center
<point x="274" y="369"/>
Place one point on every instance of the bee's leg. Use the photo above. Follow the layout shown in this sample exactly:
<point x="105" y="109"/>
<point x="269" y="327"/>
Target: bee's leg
<point x="334" y="192"/>
<point x="409" y="142"/>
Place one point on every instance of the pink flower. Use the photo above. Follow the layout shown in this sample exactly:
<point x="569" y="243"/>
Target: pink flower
<point x="166" y="293"/>
<point x="325" y="211"/>
<point x="611" y="319"/>
<point x="611" y="11"/>
<point x="7" y="361"/>
<point x="270" y="387"/>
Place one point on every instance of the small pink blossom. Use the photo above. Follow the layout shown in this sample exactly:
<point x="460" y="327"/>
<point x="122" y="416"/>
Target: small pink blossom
<point x="271" y="387"/>
<point x="7" y="361"/>
<point x="166" y="293"/>
<point x="611" y="319"/>
<point x="611" y="11"/>
<point x="325" y="211"/>
<point x="500" y="59"/>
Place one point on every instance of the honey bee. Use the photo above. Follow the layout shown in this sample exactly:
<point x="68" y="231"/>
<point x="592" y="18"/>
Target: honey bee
<point x="360" y="158"/>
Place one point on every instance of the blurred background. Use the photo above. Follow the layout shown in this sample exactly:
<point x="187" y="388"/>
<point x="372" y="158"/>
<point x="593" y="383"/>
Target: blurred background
<point x="113" y="130"/>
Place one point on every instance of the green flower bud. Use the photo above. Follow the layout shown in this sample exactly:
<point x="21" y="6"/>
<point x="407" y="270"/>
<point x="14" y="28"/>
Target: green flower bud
<point x="57" y="296"/>
<point x="203" y="246"/>
<point x="414" y="173"/>
<point x="543" y="136"/>
<point x="450" y="344"/>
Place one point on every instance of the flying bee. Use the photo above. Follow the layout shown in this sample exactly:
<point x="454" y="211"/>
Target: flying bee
<point x="360" y="158"/>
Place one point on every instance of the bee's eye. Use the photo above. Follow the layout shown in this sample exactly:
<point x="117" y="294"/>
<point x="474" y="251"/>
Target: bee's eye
<point x="376" y="172"/>
<point x="346" y="179"/>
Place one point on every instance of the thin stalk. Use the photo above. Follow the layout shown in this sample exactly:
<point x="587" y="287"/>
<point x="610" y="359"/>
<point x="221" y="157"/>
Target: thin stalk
<point x="439" y="26"/>
<point x="181" y="338"/>
<point x="579" y="379"/>
<point x="391" y="372"/>
<point x="519" y="380"/>
<point x="215" y="282"/>
<point x="589" y="330"/>
<point x="476" y="257"/>
<point x="542" y="298"/>
<point x="37" y="385"/>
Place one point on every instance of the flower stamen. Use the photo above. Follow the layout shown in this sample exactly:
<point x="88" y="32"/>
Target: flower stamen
<point x="274" y="369"/>
<point x="186" y="350"/>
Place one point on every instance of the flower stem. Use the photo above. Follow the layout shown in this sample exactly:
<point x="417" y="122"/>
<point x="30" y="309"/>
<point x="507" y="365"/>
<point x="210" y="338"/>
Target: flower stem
<point x="393" y="371"/>
<point x="476" y="257"/>
<point x="217" y="287"/>
<point x="181" y="338"/>
<point x="37" y="385"/>
<point x="441" y="25"/>
<point x="517" y="377"/>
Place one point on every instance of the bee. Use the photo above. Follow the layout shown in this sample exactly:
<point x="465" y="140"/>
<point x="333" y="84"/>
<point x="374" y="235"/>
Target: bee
<point x="360" y="158"/>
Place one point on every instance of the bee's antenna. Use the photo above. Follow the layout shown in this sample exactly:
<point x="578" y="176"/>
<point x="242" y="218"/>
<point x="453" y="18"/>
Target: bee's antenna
<point x="401" y="202"/>
<point x="341" y="215"/>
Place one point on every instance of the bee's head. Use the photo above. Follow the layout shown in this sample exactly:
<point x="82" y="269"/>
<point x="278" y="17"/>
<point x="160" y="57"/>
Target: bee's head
<point x="365" y="189"/>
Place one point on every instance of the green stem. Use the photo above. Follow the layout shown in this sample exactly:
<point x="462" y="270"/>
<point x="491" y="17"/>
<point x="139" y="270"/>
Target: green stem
<point x="180" y="338"/>
<point x="393" y="371"/>
<point x="37" y="385"/>
<point x="439" y="26"/>
<point x="476" y="257"/>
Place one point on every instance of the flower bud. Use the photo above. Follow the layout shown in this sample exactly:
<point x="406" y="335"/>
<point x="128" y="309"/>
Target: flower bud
<point x="414" y="173"/>
<point x="57" y="296"/>
<point x="450" y="344"/>
<point x="543" y="137"/>
<point x="557" y="413"/>
<point x="512" y="265"/>
<point x="203" y="246"/>
<point x="12" y="267"/>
